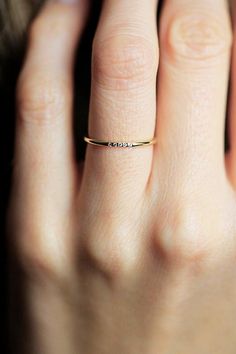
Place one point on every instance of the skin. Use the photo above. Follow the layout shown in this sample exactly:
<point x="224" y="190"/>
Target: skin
<point x="132" y="252"/>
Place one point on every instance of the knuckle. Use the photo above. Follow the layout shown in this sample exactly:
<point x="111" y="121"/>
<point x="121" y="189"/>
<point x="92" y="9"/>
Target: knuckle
<point x="43" y="27"/>
<point x="196" y="36"/>
<point x="183" y="237"/>
<point x="37" y="263"/>
<point x="41" y="98"/>
<point x="122" y="62"/>
<point x="38" y="251"/>
<point x="107" y="250"/>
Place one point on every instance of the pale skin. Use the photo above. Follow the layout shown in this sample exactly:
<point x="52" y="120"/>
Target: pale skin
<point x="133" y="251"/>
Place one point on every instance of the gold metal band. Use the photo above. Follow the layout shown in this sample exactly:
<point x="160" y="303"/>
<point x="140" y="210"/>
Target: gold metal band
<point x="119" y="144"/>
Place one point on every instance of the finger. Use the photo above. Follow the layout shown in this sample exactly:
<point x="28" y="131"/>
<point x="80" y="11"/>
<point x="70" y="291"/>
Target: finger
<point x="195" y="40"/>
<point x="44" y="161"/>
<point x="231" y="153"/>
<point x="122" y="106"/>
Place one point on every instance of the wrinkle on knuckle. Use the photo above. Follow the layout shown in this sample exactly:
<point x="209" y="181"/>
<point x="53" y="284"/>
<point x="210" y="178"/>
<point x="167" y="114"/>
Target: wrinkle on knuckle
<point x="41" y="99"/>
<point x="196" y="36"/>
<point x="123" y="62"/>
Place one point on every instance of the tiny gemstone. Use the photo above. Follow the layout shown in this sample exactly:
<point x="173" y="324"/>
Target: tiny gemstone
<point x="119" y="144"/>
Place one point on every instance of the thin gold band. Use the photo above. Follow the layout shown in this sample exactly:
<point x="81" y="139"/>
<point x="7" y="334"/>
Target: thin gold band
<point x="119" y="144"/>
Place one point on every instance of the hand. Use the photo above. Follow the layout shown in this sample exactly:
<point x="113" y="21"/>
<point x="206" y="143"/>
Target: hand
<point x="134" y="253"/>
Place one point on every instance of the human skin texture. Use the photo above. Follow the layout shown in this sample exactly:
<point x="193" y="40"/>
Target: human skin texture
<point x="134" y="250"/>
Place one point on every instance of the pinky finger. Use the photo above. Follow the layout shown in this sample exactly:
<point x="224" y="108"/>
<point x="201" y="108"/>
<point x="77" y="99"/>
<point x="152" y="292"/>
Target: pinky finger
<point x="44" y="170"/>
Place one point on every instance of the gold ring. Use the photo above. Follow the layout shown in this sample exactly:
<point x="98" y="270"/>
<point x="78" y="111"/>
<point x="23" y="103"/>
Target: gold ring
<point x="119" y="144"/>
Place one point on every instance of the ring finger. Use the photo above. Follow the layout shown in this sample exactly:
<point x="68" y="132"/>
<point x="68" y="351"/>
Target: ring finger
<point x="122" y="108"/>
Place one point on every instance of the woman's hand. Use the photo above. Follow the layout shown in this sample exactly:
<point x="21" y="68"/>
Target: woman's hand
<point x="134" y="253"/>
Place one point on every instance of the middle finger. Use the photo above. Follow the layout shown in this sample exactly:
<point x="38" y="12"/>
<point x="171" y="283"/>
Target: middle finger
<point x="195" y="40"/>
